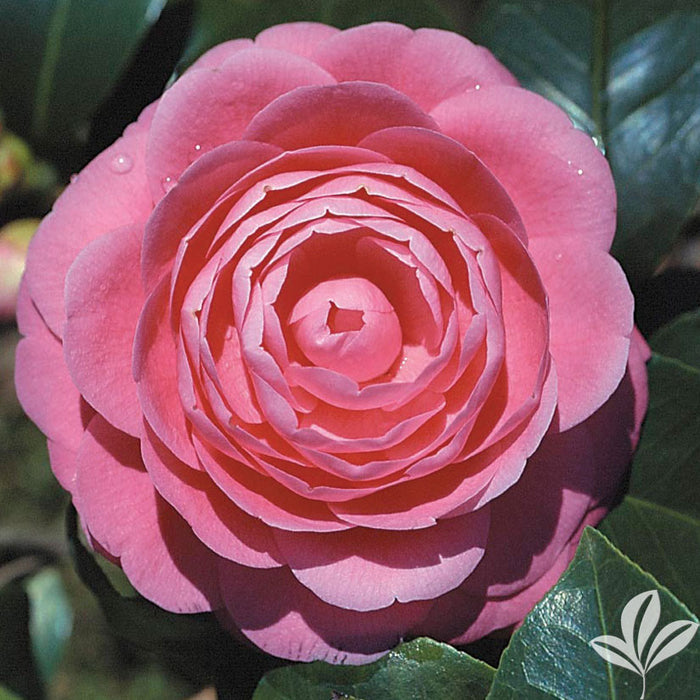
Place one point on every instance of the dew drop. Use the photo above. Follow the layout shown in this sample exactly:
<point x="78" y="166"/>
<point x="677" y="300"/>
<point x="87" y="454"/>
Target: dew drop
<point x="73" y="177"/>
<point x="558" y="257"/>
<point x="477" y="87"/>
<point x="122" y="164"/>
<point x="267" y="188"/>
<point x="167" y="183"/>
<point x="198" y="147"/>
<point x="579" y="172"/>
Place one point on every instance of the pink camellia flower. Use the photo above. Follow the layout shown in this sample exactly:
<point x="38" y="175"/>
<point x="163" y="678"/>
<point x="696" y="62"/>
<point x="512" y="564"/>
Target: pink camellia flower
<point x="330" y="342"/>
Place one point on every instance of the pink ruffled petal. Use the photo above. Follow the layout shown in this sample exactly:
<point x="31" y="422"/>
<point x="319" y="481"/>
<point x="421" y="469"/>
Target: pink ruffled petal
<point x="207" y="108"/>
<point x="557" y="178"/>
<point x="283" y="618"/>
<point x="115" y="185"/>
<point x="214" y="519"/>
<point x="158" y="552"/>
<point x="428" y="65"/>
<point x="103" y="302"/>
<point x="156" y="376"/>
<point x="364" y="570"/>
<point x="191" y="198"/>
<point x="300" y="38"/>
<point x="334" y="114"/>
<point x="49" y="397"/>
<point x="215" y="56"/>
<point x="590" y="309"/>
<point x="450" y="165"/>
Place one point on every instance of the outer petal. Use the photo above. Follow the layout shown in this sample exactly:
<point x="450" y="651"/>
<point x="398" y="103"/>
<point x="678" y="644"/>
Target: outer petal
<point x="285" y="619"/>
<point x="103" y="302"/>
<point x="591" y="308"/>
<point x="207" y="108"/>
<point x="300" y="38"/>
<point x="428" y="65"/>
<point x="117" y="197"/>
<point x="163" y="560"/>
<point x="46" y="390"/>
<point x="559" y="181"/>
<point x="335" y="114"/>
<point x="362" y="569"/>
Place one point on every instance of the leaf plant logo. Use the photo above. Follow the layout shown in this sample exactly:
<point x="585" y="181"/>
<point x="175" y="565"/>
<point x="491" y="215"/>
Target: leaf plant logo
<point x="629" y="652"/>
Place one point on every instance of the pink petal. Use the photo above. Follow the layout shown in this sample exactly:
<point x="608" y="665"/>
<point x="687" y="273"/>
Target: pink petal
<point x="214" y="519"/>
<point x="103" y="302"/>
<point x="347" y="325"/>
<point x="557" y="178"/>
<point x="334" y="114"/>
<point x="364" y="570"/>
<point x="215" y="56"/>
<point x="428" y="65"/>
<point x="300" y="38"/>
<point x="262" y="497"/>
<point x="590" y="306"/>
<point x="160" y="555"/>
<point x="285" y="619"/>
<point x="156" y="376"/>
<point x="208" y="108"/>
<point x="117" y="197"/>
<point x="451" y="166"/>
<point x="49" y="397"/>
<point x="191" y="198"/>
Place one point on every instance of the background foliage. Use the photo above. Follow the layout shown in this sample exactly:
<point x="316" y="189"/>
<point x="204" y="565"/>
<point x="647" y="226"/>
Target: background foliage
<point x="74" y="73"/>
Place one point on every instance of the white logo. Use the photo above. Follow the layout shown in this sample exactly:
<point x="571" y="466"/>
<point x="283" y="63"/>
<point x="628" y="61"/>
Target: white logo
<point x="673" y="638"/>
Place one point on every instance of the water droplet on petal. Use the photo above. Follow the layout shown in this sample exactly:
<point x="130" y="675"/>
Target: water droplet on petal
<point x="122" y="164"/>
<point x="477" y="87"/>
<point x="73" y="177"/>
<point x="558" y="257"/>
<point x="579" y="172"/>
<point x="168" y="183"/>
<point x="198" y="147"/>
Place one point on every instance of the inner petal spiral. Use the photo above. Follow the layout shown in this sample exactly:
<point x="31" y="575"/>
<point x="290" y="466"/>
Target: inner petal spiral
<point x="347" y="325"/>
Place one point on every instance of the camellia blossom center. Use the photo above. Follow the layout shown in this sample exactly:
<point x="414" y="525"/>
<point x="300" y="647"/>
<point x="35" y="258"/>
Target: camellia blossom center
<point x="349" y="326"/>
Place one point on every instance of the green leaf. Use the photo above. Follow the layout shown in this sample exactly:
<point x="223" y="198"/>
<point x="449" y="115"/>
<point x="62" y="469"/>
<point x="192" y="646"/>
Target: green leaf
<point x="50" y="620"/>
<point x="680" y="339"/>
<point x="550" y="655"/>
<point x="421" y="669"/>
<point x="666" y="467"/>
<point x="18" y="671"/>
<point x="218" y="20"/>
<point x="658" y="522"/>
<point x="628" y="72"/>
<point x="60" y="60"/>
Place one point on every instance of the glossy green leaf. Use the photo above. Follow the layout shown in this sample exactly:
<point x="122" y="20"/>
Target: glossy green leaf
<point x="219" y="20"/>
<point x="666" y="466"/>
<point x="680" y="339"/>
<point x="60" y="58"/>
<point x="420" y="670"/>
<point x="628" y="72"/>
<point x="658" y="522"/>
<point x="18" y="670"/>
<point x="50" y="620"/>
<point x="550" y="656"/>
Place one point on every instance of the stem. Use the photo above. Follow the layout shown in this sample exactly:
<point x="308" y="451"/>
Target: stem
<point x="644" y="686"/>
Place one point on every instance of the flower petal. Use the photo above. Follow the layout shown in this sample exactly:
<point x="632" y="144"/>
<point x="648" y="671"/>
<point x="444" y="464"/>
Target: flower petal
<point x="103" y="302"/>
<point x="334" y="114"/>
<point x="557" y="178"/>
<point x="162" y="558"/>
